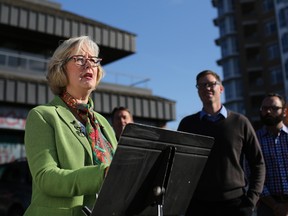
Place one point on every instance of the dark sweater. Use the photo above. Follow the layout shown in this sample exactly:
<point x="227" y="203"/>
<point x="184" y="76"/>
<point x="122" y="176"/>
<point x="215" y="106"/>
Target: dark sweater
<point x="223" y="177"/>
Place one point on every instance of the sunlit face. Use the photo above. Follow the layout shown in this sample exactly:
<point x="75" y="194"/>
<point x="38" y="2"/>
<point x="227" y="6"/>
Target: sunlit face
<point x="120" y="120"/>
<point x="209" y="89"/>
<point x="81" y="78"/>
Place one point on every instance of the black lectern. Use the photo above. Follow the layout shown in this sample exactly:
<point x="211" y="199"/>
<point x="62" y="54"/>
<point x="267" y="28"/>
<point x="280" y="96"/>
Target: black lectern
<point x="154" y="172"/>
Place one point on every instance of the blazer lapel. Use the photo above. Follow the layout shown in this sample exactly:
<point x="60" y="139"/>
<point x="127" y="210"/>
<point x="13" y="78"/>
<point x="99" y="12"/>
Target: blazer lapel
<point x="72" y="123"/>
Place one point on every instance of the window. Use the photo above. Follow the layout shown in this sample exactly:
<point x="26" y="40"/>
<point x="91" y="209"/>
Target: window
<point x="236" y="107"/>
<point x="270" y="27"/>
<point x="276" y="75"/>
<point x="11" y="145"/>
<point x="251" y="31"/>
<point x="248" y="8"/>
<point x="256" y="79"/>
<point x="253" y="55"/>
<point x="222" y="27"/>
<point x="284" y="40"/>
<point x="283" y="17"/>
<point x="229" y="46"/>
<point x="231" y="68"/>
<point x="286" y="69"/>
<point x="233" y="89"/>
<point x="228" y="91"/>
<point x="281" y="1"/>
<point x="268" y="5"/>
<point x="220" y="7"/>
<point x="225" y="6"/>
<point x="273" y="51"/>
<point x="23" y="61"/>
<point x="238" y="88"/>
<point x="224" y="48"/>
<point x="227" y="25"/>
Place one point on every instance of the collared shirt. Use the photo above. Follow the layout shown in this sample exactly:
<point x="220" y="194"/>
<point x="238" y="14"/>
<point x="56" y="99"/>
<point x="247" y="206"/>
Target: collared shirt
<point x="275" y="152"/>
<point x="209" y="117"/>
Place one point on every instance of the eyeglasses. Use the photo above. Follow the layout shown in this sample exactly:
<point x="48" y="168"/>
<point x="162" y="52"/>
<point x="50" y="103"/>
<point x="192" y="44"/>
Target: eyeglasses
<point x="271" y="108"/>
<point x="208" y="84"/>
<point x="81" y="60"/>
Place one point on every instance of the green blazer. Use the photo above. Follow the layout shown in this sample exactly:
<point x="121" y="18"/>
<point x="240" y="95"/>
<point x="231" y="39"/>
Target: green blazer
<point x="60" y="161"/>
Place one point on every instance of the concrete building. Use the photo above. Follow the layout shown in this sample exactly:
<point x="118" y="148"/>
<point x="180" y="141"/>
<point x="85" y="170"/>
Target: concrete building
<point x="253" y="38"/>
<point x="30" y="32"/>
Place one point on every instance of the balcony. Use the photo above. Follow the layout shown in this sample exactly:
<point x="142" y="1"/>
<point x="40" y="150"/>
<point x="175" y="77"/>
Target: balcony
<point x="28" y="66"/>
<point x="22" y="63"/>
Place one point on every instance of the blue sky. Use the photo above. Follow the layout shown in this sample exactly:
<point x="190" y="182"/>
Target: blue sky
<point x="175" y="41"/>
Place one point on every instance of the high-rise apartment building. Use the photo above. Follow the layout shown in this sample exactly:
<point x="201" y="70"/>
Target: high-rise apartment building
<point x="253" y="38"/>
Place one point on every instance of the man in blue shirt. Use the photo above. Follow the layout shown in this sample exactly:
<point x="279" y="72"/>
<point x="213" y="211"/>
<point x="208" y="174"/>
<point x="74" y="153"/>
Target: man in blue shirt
<point x="222" y="188"/>
<point x="273" y="138"/>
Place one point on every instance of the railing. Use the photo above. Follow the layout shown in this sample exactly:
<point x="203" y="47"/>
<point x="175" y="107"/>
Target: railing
<point x="125" y="79"/>
<point x="26" y="63"/>
<point x="22" y="62"/>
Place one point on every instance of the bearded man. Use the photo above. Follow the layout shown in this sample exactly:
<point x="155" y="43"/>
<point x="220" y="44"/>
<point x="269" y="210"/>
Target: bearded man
<point x="273" y="138"/>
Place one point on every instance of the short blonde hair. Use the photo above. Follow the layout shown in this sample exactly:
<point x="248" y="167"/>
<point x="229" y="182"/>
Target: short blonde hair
<point x="57" y="77"/>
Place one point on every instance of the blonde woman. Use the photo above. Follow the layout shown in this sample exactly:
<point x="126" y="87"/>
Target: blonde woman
<point x="68" y="145"/>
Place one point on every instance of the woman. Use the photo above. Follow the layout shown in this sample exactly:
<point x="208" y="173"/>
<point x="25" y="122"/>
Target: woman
<point x="68" y="145"/>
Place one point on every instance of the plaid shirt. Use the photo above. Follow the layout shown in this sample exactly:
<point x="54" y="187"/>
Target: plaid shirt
<point x="275" y="152"/>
